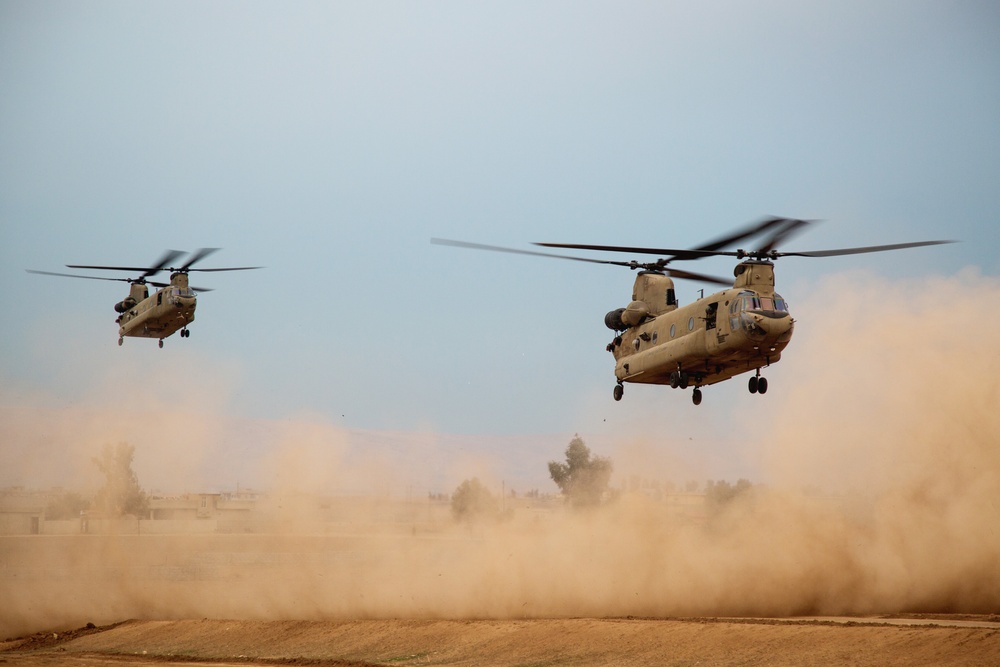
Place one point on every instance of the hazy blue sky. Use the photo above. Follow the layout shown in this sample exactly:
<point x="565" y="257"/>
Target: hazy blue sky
<point x="329" y="141"/>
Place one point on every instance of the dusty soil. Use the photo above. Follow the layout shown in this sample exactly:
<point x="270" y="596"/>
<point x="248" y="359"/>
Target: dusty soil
<point x="578" y="641"/>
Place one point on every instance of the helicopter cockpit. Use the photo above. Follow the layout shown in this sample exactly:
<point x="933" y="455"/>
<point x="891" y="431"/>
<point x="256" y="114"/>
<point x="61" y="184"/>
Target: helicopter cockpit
<point x="747" y="303"/>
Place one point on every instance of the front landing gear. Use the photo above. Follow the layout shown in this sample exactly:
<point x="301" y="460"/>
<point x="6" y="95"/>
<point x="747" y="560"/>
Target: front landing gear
<point x="757" y="384"/>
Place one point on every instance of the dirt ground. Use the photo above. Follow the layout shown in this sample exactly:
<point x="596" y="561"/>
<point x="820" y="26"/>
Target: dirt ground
<point x="938" y="640"/>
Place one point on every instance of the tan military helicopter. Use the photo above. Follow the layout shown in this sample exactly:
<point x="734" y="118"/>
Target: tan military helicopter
<point x="169" y="309"/>
<point x="738" y="330"/>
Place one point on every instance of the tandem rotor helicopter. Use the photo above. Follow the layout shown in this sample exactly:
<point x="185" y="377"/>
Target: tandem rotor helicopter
<point x="741" y="329"/>
<point x="169" y="309"/>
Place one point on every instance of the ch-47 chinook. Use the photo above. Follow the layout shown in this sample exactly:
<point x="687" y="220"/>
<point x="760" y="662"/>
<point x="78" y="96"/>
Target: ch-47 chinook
<point x="168" y="309"/>
<point x="741" y="329"/>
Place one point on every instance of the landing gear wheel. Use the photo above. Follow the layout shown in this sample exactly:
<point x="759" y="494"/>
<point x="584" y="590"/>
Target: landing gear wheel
<point x="619" y="392"/>
<point x="762" y="386"/>
<point x="120" y="341"/>
<point x="696" y="396"/>
<point x="675" y="380"/>
<point x="754" y="384"/>
<point x="161" y="342"/>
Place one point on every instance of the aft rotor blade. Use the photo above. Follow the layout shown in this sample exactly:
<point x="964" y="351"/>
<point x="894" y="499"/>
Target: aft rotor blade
<point x="230" y="268"/>
<point x="701" y="277"/>
<point x="168" y="257"/>
<point x="515" y="251"/>
<point x="857" y="251"/>
<point x="677" y="253"/>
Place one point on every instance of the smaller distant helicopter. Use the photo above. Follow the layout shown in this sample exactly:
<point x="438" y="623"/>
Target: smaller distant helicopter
<point x="166" y="311"/>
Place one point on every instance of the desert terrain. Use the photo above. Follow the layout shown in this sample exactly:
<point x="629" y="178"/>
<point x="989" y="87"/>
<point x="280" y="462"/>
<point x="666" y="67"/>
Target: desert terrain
<point x="429" y="592"/>
<point x="935" y="640"/>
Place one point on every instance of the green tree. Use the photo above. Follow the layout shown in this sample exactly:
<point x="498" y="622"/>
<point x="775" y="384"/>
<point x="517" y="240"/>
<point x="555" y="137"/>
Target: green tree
<point x="583" y="479"/>
<point x="121" y="493"/>
<point x="472" y="501"/>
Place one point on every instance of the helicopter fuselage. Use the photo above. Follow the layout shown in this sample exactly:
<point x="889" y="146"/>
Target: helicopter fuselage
<point x="710" y="340"/>
<point x="159" y="315"/>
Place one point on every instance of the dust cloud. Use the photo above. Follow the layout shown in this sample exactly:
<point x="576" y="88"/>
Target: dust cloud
<point x="882" y="495"/>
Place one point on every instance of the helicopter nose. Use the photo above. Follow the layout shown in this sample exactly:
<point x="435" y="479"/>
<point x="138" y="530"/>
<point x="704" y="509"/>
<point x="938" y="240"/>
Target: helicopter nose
<point x="777" y="328"/>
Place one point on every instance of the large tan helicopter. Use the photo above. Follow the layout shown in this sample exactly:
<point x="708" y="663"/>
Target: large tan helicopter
<point x="169" y="309"/>
<point x="738" y="330"/>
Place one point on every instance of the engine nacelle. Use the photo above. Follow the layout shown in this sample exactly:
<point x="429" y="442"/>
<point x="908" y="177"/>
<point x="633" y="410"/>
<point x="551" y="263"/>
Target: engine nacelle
<point x="613" y="320"/>
<point x="125" y="306"/>
<point x="635" y="313"/>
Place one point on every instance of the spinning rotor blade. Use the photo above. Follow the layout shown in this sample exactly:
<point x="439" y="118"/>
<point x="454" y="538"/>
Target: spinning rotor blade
<point x="190" y="287"/>
<point x="515" y="251"/>
<point x="857" y="251"/>
<point x="711" y="249"/>
<point x="75" y="275"/>
<point x="792" y="228"/>
<point x="651" y="266"/>
<point x="120" y="280"/>
<point x="168" y="257"/>
<point x="746" y="232"/>
<point x="677" y="253"/>
<point x="700" y="277"/>
<point x="197" y="257"/>
<point x="230" y="268"/>
<point x="201" y="254"/>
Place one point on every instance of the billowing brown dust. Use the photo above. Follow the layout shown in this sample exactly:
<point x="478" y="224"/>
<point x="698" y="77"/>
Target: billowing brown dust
<point x="883" y="495"/>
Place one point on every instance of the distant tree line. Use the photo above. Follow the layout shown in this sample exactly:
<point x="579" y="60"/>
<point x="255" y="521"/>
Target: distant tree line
<point x="120" y="495"/>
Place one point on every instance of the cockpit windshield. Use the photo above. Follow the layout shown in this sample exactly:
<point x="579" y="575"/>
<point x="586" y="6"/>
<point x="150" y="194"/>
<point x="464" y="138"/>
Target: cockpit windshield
<point x="748" y="301"/>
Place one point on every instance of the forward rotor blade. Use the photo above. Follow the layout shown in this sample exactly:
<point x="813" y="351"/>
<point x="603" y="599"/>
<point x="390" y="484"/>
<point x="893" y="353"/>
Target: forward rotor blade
<point x="197" y="257"/>
<point x="857" y="251"/>
<point x="786" y="227"/>
<point x="751" y="230"/>
<point x="230" y="268"/>
<point x="793" y="228"/>
<point x="514" y="251"/>
<point x="191" y="287"/>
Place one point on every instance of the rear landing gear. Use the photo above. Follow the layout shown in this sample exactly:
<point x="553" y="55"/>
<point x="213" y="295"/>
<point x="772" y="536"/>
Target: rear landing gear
<point x="696" y="396"/>
<point x="619" y="391"/>
<point x="161" y="342"/>
<point x="120" y="341"/>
